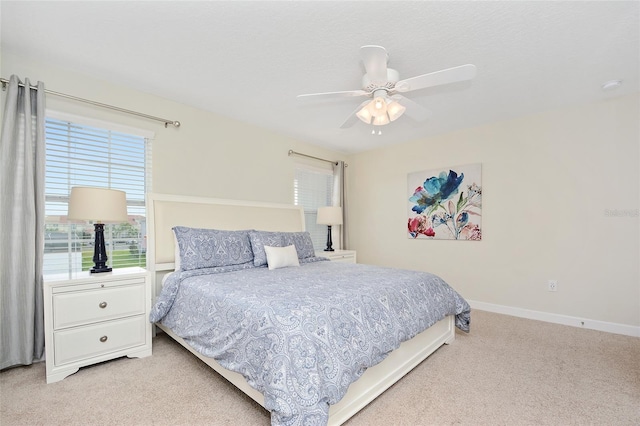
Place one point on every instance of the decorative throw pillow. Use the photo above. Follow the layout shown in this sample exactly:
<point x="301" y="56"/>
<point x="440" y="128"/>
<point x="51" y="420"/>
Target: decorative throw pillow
<point x="281" y="257"/>
<point x="260" y="239"/>
<point x="208" y="248"/>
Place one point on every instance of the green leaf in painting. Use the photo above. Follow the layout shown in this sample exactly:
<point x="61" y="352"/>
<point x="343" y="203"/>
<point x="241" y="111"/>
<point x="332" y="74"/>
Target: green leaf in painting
<point x="461" y="201"/>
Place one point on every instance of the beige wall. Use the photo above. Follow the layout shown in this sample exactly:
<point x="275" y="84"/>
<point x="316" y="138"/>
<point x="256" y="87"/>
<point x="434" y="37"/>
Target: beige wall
<point x="547" y="181"/>
<point x="208" y="155"/>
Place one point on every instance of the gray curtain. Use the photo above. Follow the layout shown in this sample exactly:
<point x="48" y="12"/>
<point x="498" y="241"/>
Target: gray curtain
<point x="340" y="199"/>
<point x="22" y="160"/>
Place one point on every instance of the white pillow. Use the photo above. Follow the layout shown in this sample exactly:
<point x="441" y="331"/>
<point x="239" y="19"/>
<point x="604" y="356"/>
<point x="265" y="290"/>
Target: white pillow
<point x="281" y="257"/>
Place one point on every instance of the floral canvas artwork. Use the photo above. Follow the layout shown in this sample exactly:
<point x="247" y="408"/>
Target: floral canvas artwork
<point x="446" y="203"/>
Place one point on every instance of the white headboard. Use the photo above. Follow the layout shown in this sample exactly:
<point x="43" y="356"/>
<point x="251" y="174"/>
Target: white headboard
<point x="166" y="211"/>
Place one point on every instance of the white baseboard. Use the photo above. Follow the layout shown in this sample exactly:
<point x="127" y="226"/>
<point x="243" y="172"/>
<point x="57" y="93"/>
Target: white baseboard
<point x="609" y="327"/>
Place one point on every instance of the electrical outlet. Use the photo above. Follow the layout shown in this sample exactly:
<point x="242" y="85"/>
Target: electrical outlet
<point x="553" y="285"/>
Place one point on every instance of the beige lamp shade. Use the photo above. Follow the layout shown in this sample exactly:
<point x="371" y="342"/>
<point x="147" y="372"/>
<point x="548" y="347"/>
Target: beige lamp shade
<point x="97" y="204"/>
<point x="329" y="216"/>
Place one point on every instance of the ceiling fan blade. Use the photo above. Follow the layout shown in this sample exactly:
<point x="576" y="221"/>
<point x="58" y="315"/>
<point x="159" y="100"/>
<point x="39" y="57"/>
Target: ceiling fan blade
<point x="350" y="121"/>
<point x="345" y="94"/>
<point x="450" y="75"/>
<point x="414" y="110"/>
<point x="374" y="59"/>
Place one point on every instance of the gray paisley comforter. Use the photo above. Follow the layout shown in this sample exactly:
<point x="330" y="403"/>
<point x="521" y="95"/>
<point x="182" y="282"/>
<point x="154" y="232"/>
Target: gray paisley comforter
<point x="302" y="335"/>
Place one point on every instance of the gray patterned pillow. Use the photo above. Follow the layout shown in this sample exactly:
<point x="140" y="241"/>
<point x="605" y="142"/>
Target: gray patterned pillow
<point x="302" y="241"/>
<point x="259" y="239"/>
<point x="209" y="248"/>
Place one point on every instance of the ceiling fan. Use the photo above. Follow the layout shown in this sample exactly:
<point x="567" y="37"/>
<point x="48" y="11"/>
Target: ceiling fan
<point x="383" y="87"/>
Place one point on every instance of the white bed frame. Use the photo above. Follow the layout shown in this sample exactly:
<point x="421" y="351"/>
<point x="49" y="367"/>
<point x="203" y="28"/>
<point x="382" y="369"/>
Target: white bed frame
<point x="165" y="211"/>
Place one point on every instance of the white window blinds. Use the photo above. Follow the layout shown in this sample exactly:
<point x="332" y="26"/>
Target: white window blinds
<point x="84" y="155"/>
<point x="313" y="188"/>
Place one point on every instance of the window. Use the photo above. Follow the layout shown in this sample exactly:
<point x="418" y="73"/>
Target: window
<point x="313" y="188"/>
<point x="86" y="155"/>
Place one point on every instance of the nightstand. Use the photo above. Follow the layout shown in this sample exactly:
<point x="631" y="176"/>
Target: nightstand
<point x="347" y="256"/>
<point x="90" y="318"/>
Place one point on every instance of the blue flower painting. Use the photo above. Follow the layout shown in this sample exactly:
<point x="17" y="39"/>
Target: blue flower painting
<point x="446" y="204"/>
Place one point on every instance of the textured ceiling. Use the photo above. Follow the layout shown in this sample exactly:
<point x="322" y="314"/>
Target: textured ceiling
<point x="249" y="60"/>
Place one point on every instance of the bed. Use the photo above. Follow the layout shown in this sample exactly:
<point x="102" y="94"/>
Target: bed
<point x="309" y="369"/>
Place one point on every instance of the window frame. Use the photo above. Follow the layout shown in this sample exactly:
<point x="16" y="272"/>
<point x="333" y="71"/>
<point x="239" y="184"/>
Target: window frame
<point x="81" y="236"/>
<point x="318" y="232"/>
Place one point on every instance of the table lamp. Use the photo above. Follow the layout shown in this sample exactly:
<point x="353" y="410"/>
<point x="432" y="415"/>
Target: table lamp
<point x="329" y="216"/>
<point x="99" y="205"/>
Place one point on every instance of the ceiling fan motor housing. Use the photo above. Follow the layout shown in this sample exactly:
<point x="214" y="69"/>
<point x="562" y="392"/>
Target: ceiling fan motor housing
<point x="370" y="86"/>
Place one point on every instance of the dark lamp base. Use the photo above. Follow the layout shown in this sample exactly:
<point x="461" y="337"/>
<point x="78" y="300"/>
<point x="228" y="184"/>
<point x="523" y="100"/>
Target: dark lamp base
<point x="329" y="242"/>
<point x="99" y="251"/>
<point x="96" y="270"/>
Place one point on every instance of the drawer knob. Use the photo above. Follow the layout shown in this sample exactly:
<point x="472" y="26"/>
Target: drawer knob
<point x="103" y="305"/>
<point x="103" y="339"/>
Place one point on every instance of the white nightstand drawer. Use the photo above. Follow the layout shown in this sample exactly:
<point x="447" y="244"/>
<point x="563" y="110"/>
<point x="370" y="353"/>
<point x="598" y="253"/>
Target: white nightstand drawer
<point x="84" y="307"/>
<point x="84" y="342"/>
<point x="343" y="258"/>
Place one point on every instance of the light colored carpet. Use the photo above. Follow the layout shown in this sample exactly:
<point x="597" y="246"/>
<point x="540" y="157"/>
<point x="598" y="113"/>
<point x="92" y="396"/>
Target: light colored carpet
<point x="507" y="371"/>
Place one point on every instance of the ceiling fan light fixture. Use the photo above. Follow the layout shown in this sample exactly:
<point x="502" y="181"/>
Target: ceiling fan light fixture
<point x="365" y="115"/>
<point x="381" y="120"/>
<point x="395" y="110"/>
<point x="379" y="106"/>
<point x="375" y="111"/>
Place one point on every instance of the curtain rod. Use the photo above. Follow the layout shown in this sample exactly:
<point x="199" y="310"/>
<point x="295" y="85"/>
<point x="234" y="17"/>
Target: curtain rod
<point x="166" y="122"/>
<point x="292" y="152"/>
